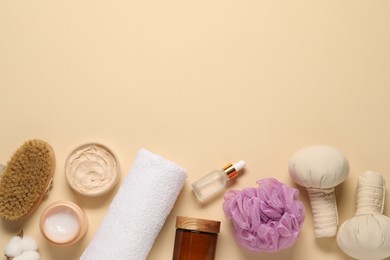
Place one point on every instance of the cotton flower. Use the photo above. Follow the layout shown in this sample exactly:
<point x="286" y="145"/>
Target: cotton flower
<point x="28" y="255"/>
<point x="14" y="247"/>
<point x="21" y="247"/>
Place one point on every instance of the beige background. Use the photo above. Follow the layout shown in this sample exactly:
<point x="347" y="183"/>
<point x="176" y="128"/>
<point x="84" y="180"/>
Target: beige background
<point x="202" y="83"/>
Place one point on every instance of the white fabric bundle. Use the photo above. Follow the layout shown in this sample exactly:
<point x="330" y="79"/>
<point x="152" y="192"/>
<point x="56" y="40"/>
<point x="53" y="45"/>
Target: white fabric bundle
<point x="367" y="235"/>
<point x="320" y="169"/>
<point x="139" y="210"/>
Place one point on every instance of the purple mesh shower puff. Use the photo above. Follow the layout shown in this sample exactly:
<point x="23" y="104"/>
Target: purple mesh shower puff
<point x="267" y="218"/>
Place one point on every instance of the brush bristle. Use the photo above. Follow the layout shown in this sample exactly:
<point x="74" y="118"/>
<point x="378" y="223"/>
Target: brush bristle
<point x="25" y="179"/>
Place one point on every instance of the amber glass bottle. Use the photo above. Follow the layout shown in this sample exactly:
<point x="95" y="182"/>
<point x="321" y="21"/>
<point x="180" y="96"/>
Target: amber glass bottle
<point x="196" y="239"/>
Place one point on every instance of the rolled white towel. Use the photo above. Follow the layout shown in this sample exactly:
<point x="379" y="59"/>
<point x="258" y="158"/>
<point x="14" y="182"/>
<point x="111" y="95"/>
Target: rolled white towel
<point x="139" y="209"/>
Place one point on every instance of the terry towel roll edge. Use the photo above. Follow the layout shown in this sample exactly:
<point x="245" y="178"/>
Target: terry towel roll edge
<point x="139" y="209"/>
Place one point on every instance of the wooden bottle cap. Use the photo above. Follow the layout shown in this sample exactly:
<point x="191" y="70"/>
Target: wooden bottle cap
<point x="202" y="225"/>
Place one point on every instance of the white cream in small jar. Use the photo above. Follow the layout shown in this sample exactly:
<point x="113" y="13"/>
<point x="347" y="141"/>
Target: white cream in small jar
<point x="92" y="169"/>
<point x="63" y="223"/>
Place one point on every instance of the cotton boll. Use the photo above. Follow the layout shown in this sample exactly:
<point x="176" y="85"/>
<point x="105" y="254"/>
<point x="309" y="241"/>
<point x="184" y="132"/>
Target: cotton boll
<point x="22" y="247"/>
<point x="14" y="247"/>
<point x="28" y="243"/>
<point x="15" y="239"/>
<point x="28" y="255"/>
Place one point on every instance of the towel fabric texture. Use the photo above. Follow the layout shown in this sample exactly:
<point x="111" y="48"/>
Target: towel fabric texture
<point x="139" y="209"/>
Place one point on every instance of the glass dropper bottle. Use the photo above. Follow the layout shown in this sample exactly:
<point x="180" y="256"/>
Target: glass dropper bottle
<point x="213" y="182"/>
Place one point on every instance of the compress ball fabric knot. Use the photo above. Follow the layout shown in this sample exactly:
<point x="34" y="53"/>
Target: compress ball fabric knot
<point x="267" y="218"/>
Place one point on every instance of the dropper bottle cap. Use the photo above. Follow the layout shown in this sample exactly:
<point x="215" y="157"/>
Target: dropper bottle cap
<point x="232" y="170"/>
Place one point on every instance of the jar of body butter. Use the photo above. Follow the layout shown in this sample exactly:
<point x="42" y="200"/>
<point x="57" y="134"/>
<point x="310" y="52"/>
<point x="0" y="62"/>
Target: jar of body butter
<point x="92" y="169"/>
<point x="195" y="238"/>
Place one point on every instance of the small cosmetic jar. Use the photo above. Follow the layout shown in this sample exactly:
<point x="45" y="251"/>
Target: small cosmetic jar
<point x="195" y="238"/>
<point x="92" y="169"/>
<point x="63" y="223"/>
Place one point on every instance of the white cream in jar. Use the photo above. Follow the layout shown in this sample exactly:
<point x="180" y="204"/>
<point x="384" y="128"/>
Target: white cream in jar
<point x="61" y="226"/>
<point x="92" y="169"/>
<point x="63" y="223"/>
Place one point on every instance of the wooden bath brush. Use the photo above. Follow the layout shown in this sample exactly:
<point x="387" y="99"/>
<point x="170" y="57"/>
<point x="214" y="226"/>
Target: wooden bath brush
<point x="26" y="179"/>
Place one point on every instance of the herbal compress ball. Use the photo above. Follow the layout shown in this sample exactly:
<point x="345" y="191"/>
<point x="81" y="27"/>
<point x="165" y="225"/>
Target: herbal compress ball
<point x="367" y="234"/>
<point x="319" y="169"/>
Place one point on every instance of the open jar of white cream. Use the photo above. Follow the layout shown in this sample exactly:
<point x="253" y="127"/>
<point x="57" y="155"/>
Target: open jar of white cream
<point x="92" y="169"/>
<point x="63" y="223"/>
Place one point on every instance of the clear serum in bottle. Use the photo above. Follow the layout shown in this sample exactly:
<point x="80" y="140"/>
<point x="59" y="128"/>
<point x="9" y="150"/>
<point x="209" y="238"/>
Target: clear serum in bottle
<point x="213" y="182"/>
